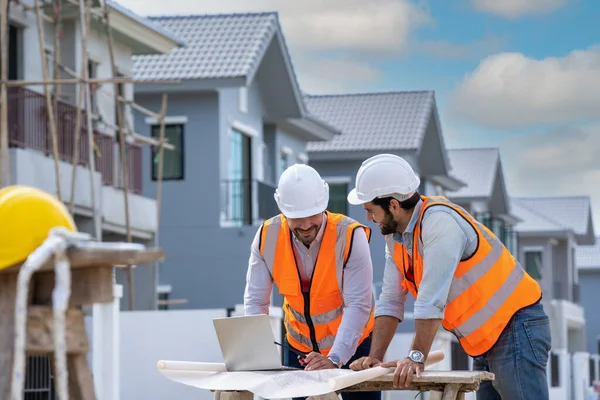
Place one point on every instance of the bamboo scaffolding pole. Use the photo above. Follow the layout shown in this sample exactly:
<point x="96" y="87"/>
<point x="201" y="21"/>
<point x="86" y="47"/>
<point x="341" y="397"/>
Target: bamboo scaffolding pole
<point x="85" y="18"/>
<point x="27" y="7"/>
<point x="137" y="136"/>
<point x="56" y="56"/>
<point x="122" y="149"/>
<point x="47" y="95"/>
<point x="163" y="115"/>
<point x="14" y="83"/>
<point x="4" y="154"/>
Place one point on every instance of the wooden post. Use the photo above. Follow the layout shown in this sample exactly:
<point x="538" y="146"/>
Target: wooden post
<point x="84" y="21"/>
<point x="122" y="149"/>
<point x="92" y="283"/>
<point x="49" y="103"/>
<point x="162" y="116"/>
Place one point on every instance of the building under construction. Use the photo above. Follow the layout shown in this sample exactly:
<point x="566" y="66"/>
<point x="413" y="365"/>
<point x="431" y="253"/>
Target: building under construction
<point x="65" y="81"/>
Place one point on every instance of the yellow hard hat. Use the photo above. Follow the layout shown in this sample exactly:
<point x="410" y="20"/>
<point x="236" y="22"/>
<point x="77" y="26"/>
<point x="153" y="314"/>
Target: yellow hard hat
<point x="27" y="215"/>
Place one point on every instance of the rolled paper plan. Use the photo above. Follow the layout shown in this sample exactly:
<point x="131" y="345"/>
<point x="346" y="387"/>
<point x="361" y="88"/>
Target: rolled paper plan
<point x="356" y="377"/>
<point x="190" y="366"/>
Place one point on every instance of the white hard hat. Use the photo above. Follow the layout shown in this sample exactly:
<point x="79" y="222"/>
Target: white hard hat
<point x="384" y="175"/>
<point x="301" y="192"/>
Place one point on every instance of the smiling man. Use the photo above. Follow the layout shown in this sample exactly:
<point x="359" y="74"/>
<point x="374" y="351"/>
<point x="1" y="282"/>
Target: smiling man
<point x="321" y="263"/>
<point x="461" y="276"/>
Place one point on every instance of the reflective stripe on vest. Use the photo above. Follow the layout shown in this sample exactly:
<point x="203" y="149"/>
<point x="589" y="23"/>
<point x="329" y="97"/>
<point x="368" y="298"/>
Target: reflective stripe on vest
<point x="486" y="290"/>
<point x="312" y="319"/>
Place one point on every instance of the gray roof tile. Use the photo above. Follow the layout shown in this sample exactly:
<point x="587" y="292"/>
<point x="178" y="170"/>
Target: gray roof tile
<point x="216" y="46"/>
<point x="552" y="214"/>
<point x="373" y="121"/>
<point x="142" y="20"/>
<point x="477" y="168"/>
<point x="588" y="256"/>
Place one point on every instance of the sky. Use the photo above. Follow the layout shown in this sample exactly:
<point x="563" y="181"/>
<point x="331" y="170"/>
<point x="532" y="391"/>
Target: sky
<point x="523" y="76"/>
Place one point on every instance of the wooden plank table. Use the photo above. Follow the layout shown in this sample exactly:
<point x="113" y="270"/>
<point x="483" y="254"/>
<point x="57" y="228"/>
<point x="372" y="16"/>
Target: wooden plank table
<point x="441" y="385"/>
<point x="91" y="282"/>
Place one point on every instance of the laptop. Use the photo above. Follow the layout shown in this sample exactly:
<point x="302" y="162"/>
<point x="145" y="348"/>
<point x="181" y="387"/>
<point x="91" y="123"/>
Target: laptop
<point x="248" y="344"/>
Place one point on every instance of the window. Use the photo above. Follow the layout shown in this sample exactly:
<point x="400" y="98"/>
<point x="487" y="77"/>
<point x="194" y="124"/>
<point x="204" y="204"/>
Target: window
<point x="533" y="264"/>
<point x="337" y="198"/>
<point x="92" y="73"/>
<point x="283" y="161"/>
<point x="121" y="105"/>
<point x="460" y="359"/>
<point x="508" y="238"/>
<point x="238" y="188"/>
<point x="172" y="159"/>
<point x="498" y="228"/>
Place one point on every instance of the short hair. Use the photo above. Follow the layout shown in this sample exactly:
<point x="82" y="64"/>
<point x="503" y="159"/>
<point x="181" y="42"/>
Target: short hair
<point x="408" y="204"/>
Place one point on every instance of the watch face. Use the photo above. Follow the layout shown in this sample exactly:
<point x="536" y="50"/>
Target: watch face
<point x="416" y="355"/>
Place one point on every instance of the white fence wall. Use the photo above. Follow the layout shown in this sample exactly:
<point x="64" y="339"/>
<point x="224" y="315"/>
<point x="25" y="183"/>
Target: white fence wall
<point x="141" y="338"/>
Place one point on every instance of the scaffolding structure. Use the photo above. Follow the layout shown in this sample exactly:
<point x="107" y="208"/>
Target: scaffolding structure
<point x="52" y="12"/>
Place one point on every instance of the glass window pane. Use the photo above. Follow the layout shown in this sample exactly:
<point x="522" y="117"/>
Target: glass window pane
<point x="533" y="264"/>
<point x="172" y="159"/>
<point x="337" y="198"/>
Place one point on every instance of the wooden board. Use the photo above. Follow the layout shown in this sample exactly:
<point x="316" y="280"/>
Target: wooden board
<point x="441" y="384"/>
<point x="429" y="379"/>
<point x="40" y="331"/>
<point x="81" y="258"/>
<point x="89" y="285"/>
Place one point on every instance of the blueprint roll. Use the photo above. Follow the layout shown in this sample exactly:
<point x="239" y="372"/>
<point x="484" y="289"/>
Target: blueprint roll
<point x="190" y="366"/>
<point x="356" y="377"/>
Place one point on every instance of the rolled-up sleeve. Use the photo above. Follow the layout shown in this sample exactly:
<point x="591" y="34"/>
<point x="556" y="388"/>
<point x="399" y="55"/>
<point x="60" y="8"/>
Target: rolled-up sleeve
<point x="444" y="243"/>
<point x="259" y="282"/>
<point x="393" y="296"/>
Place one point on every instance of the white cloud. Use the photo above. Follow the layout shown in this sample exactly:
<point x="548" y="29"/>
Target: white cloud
<point x="373" y="26"/>
<point x="512" y="90"/>
<point x="336" y="76"/>
<point x="516" y="8"/>
<point x="561" y="162"/>
<point x="329" y="41"/>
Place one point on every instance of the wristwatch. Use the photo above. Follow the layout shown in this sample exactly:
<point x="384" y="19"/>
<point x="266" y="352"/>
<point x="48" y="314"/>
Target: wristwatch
<point x="416" y="356"/>
<point x="335" y="360"/>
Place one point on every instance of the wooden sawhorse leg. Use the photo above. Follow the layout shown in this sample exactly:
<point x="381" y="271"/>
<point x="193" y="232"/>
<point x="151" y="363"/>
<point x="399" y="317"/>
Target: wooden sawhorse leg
<point x="451" y="392"/>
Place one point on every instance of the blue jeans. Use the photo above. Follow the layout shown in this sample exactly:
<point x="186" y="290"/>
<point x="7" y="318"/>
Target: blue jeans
<point x="290" y="359"/>
<point x="518" y="359"/>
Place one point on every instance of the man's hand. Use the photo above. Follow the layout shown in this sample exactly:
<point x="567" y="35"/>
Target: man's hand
<point x="403" y="375"/>
<point x="315" y="361"/>
<point x="364" y="363"/>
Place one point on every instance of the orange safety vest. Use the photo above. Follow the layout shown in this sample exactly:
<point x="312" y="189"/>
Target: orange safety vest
<point x="488" y="288"/>
<point x="311" y="318"/>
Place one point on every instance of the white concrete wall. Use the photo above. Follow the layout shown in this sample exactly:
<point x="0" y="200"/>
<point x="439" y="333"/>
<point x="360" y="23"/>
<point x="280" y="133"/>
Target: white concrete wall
<point x="142" y="211"/>
<point x="31" y="167"/>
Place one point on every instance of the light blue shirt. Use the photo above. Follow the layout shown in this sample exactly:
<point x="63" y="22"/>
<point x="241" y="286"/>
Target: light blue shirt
<point x="447" y="239"/>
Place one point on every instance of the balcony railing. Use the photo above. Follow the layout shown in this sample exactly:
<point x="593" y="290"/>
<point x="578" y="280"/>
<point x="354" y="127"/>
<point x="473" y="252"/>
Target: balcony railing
<point x="28" y="128"/>
<point x="238" y="197"/>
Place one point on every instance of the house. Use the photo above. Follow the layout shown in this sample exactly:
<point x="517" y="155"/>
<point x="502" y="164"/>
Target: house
<point x="485" y="195"/>
<point x="402" y="123"/>
<point x="238" y="120"/>
<point x="588" y="264"/>
<point x="550" y="231"/>
<point x="31" y="156"/>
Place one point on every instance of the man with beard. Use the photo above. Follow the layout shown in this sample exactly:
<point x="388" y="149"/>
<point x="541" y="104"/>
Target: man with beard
<point x="321" y="263"/>
<point x="460" y="275"/>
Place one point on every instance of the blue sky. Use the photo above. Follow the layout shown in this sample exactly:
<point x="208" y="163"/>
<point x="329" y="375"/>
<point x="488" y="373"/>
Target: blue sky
<point x="523" y="76"/>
